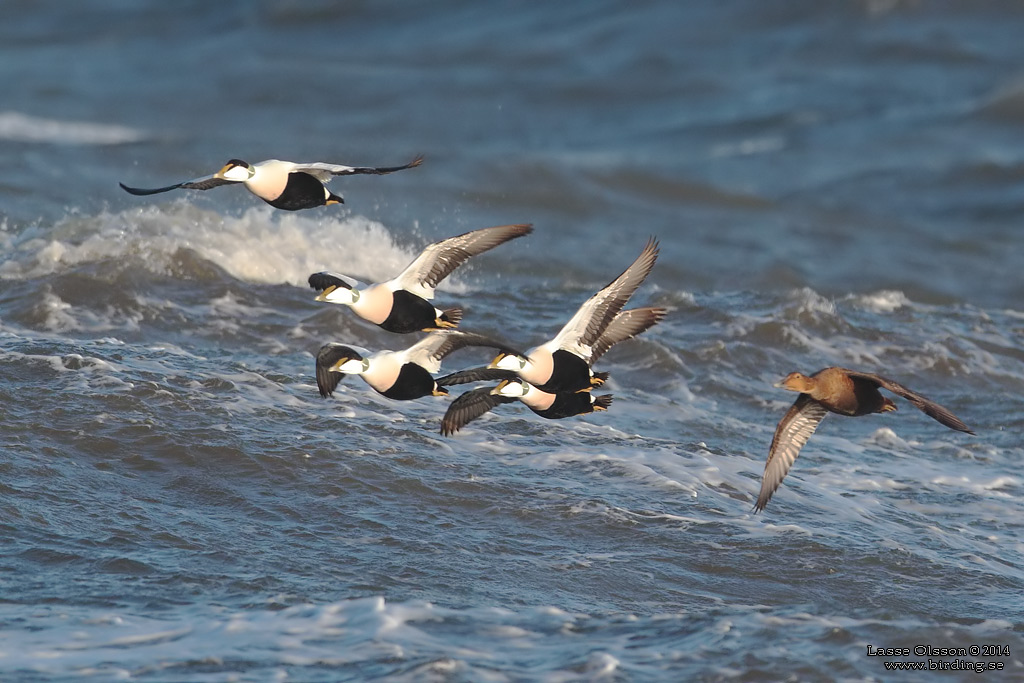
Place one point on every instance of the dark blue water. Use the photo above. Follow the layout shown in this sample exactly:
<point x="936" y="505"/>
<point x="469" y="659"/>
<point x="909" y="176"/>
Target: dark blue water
<point x="832" y="184"/>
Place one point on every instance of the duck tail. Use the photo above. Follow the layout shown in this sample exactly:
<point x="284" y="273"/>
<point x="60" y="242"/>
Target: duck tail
<point x="602" y="402"/>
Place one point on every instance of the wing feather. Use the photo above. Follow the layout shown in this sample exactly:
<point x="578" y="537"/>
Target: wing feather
<point x="430" y="350"/>
<point x="327" y="381"/>
<point x="594" y="316"/>
<point x="922" y="403"/>
<point x="323" y="171"/>
<point x="324" y="279"/>
<point x="468" y="407"/>
<point x="626" y="325"/>
<point x="476" y="375"/>
<point x="439" y="259"/>
<point x="204" y="183"/>
<point x="793" y="431"/>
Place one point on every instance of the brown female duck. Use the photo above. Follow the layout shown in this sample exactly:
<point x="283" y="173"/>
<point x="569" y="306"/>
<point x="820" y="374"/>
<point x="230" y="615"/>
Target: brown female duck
<point x="835" y="390"/>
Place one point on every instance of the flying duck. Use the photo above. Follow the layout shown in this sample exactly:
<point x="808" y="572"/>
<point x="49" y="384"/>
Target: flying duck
<point x="402" y="304"/>
<point x="833" y="390"/>
<point x="476" y="402"/>
<point x="399" y="375"/>
<point x="282" y="184"/>
<point x="552" y="405"/>
<point x="625" y="325"/>
<point x="563" y="364"/>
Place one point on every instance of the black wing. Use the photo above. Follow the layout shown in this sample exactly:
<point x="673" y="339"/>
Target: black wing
<point x="381" y="170"/>
<point x="327" y="381"/>
<point x="324" y="280"/>
<point x="469" y="407"/>
<point x="443" y="342"/>
<point x="197" y="184"/>
<point x="476" y="375"/>
<point x="925" y="405"/>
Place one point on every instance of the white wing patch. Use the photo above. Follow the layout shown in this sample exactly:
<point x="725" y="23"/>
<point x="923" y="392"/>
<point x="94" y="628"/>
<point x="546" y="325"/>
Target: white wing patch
<point x="585" y="328"/>
<point x="439" y="259"/>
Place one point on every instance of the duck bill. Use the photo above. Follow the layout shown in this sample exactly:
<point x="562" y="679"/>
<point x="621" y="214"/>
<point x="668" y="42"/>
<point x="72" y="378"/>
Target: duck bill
<point x="348" y="366"/>
<point x="322" y="296"/>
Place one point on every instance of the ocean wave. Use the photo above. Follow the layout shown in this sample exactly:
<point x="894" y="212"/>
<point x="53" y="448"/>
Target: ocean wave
<point x="20" y="127"/>
<point x="259" y="246"/>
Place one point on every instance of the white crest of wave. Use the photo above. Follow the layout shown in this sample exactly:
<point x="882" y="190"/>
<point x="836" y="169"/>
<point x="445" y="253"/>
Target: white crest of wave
<point x="24" y="128"/>
<point x="261" y="245"/>
<point x="884" y="301"/>
<point x="809" y="301"/>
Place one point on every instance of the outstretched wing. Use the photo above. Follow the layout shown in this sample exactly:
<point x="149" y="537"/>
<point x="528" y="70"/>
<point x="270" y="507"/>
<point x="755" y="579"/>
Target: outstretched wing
<point x="468" y="407"/>
<point x="204" y="183"/>
<point x="325" y="279"/>
<point x="794" y="429"/>
<point x="925" y="405"/>
<point x="430" y="350"/>
<point x="626" y="325"/>
<point x="594" y="316"/>
<point x="327" y="381"/>
<point x="476" y="375"/>
<point x="323" y="171"/>
<point x="439" y="259"/>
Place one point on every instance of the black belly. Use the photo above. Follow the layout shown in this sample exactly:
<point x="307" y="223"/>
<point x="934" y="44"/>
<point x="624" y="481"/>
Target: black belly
<point x="409" y="313"/>
<point x="569" y="373"/>
<point x="302" y="191"/>
<point x="413" y="382"/>
<point x="567" y="405"/>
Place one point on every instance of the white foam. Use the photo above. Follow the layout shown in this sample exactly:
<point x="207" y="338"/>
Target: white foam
<point x="809" y="301"/>
<point x="260" y="246"/>
<point x="884" y="301"/>
<point x="24" y="128"/>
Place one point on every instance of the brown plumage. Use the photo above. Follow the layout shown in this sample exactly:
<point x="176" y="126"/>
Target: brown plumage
<point x="835" y="390"/>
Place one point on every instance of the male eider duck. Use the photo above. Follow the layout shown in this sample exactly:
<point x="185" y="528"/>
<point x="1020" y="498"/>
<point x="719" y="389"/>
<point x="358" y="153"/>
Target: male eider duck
<point x="563" y="364"/>
<point x="282" y="184"/>
<point x="475" y="403"/>
<point x="399" y="375"/>
<point x="402" y="304"/>
<point x="625" y="325"/>
<point x="835" y="390"/>
<point x="552" y="405"/>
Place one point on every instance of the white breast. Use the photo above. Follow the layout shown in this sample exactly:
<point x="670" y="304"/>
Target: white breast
<point x="539" y="366"/>
<point x="374" y="304"/>
<point x="384" y="369"/>
<point x="537" y="399"/>
<point x="269" y="179"/>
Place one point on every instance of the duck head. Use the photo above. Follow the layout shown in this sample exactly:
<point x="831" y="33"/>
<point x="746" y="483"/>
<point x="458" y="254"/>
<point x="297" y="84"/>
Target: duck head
<point x="796" y="381"/>
<point x="343" y="359"/>
<point x="509" y="361"/>
<point x="339" y="295"/>
<point x="511" y="388"/>
<point x="237" y="171"/>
